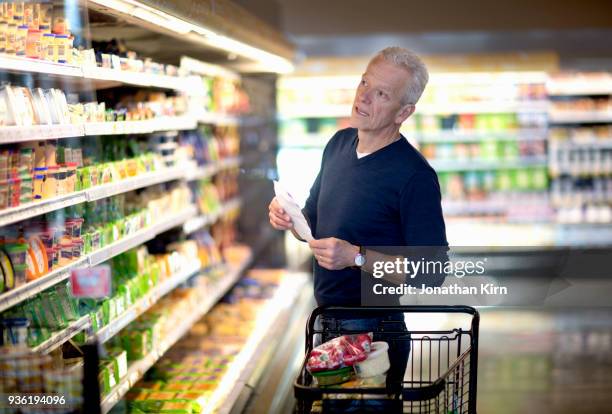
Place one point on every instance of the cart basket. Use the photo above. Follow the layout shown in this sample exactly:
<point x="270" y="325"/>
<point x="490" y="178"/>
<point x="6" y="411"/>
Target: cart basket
<point x="440" y="376"/>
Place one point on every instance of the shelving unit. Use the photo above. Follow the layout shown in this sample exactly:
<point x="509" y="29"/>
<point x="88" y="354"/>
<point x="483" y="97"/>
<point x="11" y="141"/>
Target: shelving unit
<point x="57" y="339"/>
<point x="183" y="172"/>
<point x="15" y="296"/>
<point x="93" y="77"/>
<point x="580" y="161"/>
<point x="202" y="221"/>
<point x="145" y="303"/>
<point x="137" y="369"/>
<point x="479" y="165"/>
<point x="85" y="80"/>
<point x="16" y="134"/>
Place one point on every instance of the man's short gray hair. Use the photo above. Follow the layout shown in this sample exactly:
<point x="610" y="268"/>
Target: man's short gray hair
<point x="413" y="64"/>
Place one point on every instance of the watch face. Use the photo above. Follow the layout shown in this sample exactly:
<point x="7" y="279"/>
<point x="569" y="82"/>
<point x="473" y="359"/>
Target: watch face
<point x="360" y="260"/>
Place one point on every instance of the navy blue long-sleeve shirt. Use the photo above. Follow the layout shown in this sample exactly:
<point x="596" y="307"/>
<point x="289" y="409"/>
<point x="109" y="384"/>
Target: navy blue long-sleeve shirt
<point x="388" y="198"/>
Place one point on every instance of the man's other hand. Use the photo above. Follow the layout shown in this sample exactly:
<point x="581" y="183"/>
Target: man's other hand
<point x="333" y="254"/>
<point x="278" y="218"/>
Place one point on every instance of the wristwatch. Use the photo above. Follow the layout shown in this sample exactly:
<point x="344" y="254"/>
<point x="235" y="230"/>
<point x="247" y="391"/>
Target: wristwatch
<point x="360" y="258"/>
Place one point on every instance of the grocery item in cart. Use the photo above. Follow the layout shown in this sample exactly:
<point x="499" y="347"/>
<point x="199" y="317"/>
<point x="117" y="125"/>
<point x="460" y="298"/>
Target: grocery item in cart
<point x="342" y="351"/>
<point x="377" y="363"/>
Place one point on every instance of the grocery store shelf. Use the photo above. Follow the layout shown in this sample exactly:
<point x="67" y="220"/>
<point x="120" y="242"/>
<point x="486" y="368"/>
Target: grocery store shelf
<point x="105" y="77"/>
<point x="166" y="123"/>
<point x="595" y="143"/>
<point x="474" y="208"/>
<point x="17" y="64"/>
<point x="138" y="368"/>
<point x="15" y="134"/>
<point x="531" y="134"/>
<point x="141" y="236"/>
<point x="270" y="323"/>
<point x="33" y="209"/>
<point x="213" y="168"/>
<point x="94" y="77"/>
<point x="145" y="303"/>
<point x="579" y="117"/>
<point x="474" y="165"/>
<point x="579" y="87"/>
<point x="482" y="108"/>
<point x="129" y="184"/>
<point x="13" y="297"/>
<point x="58" y="338"/>
<point x="199" y="222"/>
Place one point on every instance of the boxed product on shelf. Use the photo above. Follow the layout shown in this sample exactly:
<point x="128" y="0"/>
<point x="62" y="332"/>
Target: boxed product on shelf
<point x="191" y="371"/>
<point x="38" y="246"/>
<point x="38" y="30"/>
<point x="112" y="54"/>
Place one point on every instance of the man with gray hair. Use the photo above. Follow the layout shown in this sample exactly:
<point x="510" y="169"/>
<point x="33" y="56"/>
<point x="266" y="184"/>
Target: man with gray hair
<point x="373" y="189"/>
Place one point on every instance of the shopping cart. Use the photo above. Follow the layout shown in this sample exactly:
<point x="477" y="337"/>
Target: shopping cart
<point x="440" y="375"/>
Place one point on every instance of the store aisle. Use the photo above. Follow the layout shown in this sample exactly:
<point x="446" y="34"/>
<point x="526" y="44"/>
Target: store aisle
<point x="545" y="361"/>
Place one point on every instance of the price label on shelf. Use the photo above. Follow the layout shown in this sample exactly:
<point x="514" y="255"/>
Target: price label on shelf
<point x="93" y="282"/>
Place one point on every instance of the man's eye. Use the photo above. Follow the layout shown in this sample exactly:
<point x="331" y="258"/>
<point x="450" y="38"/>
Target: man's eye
<point x="381" y="94"/>
<point x="363" y="82"/>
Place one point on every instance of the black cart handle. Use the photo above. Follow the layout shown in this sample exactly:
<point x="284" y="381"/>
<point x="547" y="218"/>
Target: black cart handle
<point x="372" y="311"/>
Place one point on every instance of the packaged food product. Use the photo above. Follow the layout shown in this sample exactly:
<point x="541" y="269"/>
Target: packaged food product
<point x="77" y="248"/>
<point x="60" y="23"/>
<point x="14" y="331"/>
<point x="338" y="352"/>
<point x="65" y="253"/>
<point x="46" y="13"/>
<point x="50" y="184"/>
<point x="14" y="191"/>
<point x="38" y="262"/>
<point x="33" y="44"/>
<point x="61" y="41"/>
<point x="25" y="191"/>
<point x="28" y="14"/>
<point x="20" y="274"/>
<point x="17" y="252"/>
<point x="4" y="194"/>
<point x="61" y="180"/>
<point x="376" y="364"/>
<point x="3" y="32"/>
<point x="48" y="47"/>
<point x="20" y="40"/>
<point x="7" y="271"/>
<point x="11" y="38"/>
<point x="333" y="377"/>
<point x="39" y="181"/>
<point x="70" y="177"/>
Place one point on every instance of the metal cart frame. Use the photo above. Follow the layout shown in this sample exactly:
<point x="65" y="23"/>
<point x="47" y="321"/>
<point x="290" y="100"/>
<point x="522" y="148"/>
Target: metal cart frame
<point x="441" y="372"/>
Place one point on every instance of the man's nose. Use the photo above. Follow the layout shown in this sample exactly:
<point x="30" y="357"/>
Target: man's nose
<point x="364" y="96"/>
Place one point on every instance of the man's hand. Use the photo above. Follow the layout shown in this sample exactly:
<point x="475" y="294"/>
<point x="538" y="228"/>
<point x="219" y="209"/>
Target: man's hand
<point x="278" y="218"/>
<point x="333" y="254"/>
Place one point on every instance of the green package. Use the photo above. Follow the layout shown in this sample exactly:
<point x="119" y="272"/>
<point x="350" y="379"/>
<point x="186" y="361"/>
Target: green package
<point x="104" y="379"/>
<point x="136" y="344"/>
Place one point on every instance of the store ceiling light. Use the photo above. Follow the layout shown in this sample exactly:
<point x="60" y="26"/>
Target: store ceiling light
<point x="264" y="61"/>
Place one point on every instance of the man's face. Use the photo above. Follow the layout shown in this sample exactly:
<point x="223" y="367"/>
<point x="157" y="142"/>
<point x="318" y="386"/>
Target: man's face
<point x="378" y="99"/>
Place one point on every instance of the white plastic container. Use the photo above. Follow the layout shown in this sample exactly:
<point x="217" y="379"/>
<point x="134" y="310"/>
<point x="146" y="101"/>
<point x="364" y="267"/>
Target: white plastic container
<point x="377" y="362"/>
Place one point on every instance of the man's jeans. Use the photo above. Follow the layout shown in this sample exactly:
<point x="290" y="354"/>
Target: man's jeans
<point x="399" y="350"/>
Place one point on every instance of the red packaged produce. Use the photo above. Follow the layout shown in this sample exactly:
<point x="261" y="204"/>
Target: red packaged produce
<point x="342" y="351"/>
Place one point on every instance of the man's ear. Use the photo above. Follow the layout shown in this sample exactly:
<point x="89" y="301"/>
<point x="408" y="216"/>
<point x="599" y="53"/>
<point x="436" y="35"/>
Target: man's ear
<point x="404" y="113"/>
